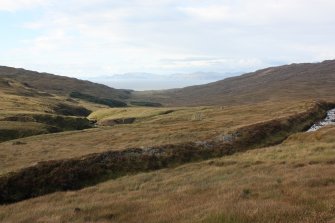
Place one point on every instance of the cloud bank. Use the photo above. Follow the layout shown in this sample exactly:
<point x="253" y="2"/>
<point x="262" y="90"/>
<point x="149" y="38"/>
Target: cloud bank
<point x="85" y="38"/>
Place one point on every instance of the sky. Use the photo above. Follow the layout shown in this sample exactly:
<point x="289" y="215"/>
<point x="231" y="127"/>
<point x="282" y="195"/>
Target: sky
<point x="157" y="44"/>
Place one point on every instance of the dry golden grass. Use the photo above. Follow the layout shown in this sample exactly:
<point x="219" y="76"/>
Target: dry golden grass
<point x="183" y="125"/>
<point x="17" y="98"/>
<point x="19" y="104"/>
<point x="11" y="104"/>
<point x="291" y="182"/>
<point x="134" y="112"/>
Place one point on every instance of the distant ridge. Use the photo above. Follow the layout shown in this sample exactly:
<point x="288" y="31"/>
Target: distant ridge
<point x="293" y="82"/>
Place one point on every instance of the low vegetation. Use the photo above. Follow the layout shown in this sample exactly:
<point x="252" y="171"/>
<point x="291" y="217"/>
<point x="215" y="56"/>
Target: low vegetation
<point x="164" y="127"/>
<point x="145" y="103"/>
<point x="13" y="130"/>
<point x="23" y="125"/>
<point x="71" y="110"/>
<point x="53" y="176"/>
<point x="60" y="85"/>
<point x="308" y="81"/>
<point x="165" y="164"/>
<point x="274" y="184"/>
<point x="26" y="111"/>
<point x="104" y="101"/>
<point x="131" y="112"/>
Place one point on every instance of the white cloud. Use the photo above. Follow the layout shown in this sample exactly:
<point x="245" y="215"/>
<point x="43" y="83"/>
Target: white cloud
<point x="14" y="5"/>
<point x="216" y="13"/>
<point x="95" y="37"/>
<point x="258" y="12"/>
<point x="228" y="64"/>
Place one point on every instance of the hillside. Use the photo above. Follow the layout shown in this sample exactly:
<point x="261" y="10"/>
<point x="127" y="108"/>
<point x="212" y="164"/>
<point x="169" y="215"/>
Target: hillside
<point x="26" y="111"/>
<point x="35" y="103"/>
<point x="61" y="85"/>
<point x="295" y="81"/>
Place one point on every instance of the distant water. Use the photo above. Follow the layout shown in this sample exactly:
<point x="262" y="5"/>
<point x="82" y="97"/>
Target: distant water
<point x="329" y="120"/>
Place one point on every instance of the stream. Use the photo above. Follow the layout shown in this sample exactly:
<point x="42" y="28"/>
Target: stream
<point x="329" y="120"/>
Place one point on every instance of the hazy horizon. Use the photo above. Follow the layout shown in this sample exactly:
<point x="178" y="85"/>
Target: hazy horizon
<point x="148" y="81"/>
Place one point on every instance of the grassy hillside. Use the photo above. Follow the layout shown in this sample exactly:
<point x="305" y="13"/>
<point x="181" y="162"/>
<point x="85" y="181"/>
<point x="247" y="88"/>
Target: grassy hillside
<point x="295" y="81"/>
<point x="26" y="111"/>
<point x="18" y="97"/>
<point x="275" y="184"/>
<point x="61" y="85"/>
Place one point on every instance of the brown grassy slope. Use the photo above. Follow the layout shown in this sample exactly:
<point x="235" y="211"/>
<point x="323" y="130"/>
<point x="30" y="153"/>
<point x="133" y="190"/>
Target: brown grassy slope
<point x="279" y="184"/>
<point x="177" y="127"/>
<point x="18" y="98"/>
<point x="296" y="81"/>
<point x="72" y="174"/>
<point x="26" y="111"/>
<point x="61" y="85"/>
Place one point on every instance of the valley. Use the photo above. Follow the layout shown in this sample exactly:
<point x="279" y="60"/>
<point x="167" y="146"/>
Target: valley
<point x="75" y="151"/>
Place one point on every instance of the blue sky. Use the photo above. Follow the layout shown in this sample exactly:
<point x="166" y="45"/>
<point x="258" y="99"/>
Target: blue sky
<point x="167" y="41"/>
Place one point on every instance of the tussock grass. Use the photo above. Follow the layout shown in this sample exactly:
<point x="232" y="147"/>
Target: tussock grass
<point x="70" y="174"/>
<point x="175" y="127"/>
<point x="261" y="185"/>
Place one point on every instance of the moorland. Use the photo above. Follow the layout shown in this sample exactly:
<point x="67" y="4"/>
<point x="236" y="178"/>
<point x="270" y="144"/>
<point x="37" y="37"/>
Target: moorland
<point x="235" y="150"/>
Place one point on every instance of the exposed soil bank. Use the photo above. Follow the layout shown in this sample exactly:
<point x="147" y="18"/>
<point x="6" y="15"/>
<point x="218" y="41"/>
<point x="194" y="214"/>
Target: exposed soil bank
<point x="71" y="174"/>
<point x="51" y="124"/>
